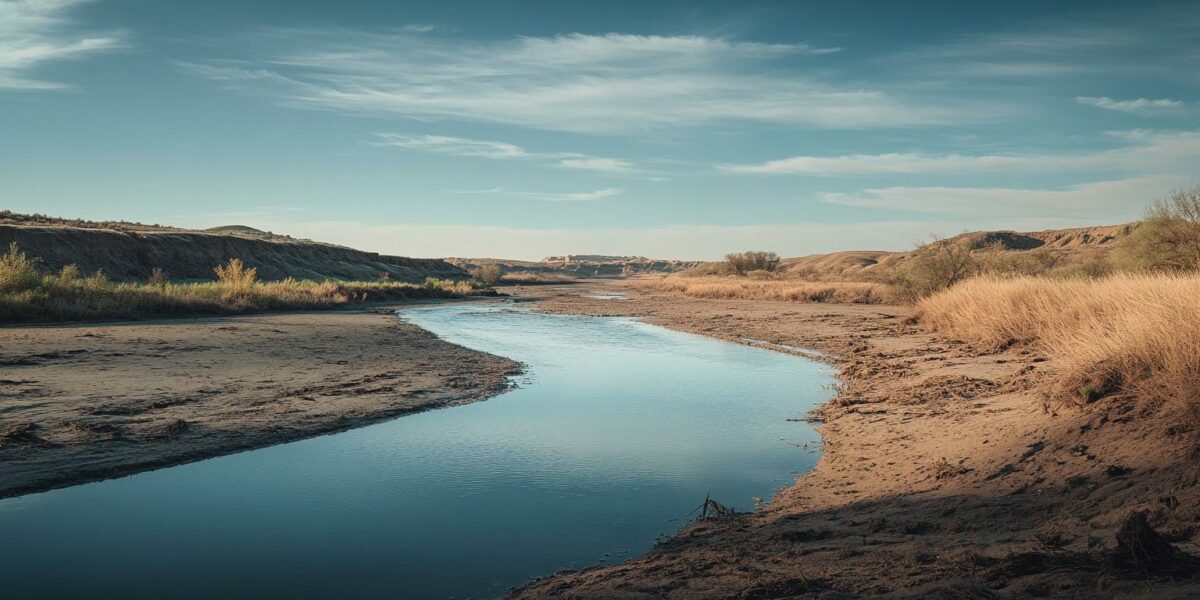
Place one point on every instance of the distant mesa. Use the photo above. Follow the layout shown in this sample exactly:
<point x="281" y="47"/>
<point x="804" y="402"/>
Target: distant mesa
<point x="236" y="229"/>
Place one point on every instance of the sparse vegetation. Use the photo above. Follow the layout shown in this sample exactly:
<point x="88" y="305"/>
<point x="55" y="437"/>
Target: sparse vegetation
<point x="28" y="295"/>
<point x="780" y="290"/>
<point x="1127" y="333"/>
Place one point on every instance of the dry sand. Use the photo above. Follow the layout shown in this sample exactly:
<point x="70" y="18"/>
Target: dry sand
<point x="942" y="475"/>
<point x="86" y="402"/>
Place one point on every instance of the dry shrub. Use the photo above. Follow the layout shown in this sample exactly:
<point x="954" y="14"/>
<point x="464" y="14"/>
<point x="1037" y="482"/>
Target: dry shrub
<point x="780" y="290"/>
<point x="1135" y="333"/>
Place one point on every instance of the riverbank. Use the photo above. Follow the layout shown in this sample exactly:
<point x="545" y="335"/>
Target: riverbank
<point x="85" y="402"/>
<point x="943" y="475"/>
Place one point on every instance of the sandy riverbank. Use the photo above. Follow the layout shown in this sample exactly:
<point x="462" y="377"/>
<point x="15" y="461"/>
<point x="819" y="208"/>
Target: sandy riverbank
<point x="86" y="402"/>
<point x="943" y="475"/>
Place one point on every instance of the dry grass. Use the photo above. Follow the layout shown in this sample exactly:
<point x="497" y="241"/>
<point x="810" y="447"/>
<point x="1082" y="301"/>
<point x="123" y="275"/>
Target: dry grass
<point x="780" y="290"/>
<point x="27" y="295"/>
<point x="1126" y="333"/>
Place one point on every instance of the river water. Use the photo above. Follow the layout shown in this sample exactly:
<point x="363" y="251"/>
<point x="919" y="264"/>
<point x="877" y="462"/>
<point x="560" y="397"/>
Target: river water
<point x="616" y="432"/>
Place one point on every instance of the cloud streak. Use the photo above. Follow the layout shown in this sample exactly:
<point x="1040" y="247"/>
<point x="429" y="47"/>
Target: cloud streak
<point x="1138" y="106"/>
<point x="1145" y="150"/>
<point x="473" y="148"/>
<point x="544" y="196"/>
<point x="37" y="32"/>
<point x="612" y="83"/>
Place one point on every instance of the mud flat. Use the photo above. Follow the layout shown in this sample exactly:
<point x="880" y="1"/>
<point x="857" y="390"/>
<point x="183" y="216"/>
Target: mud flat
<point x="87" y="402"/>
<point x="943" y="475"/>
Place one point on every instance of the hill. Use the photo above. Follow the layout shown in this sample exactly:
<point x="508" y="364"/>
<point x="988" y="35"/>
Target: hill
<point x="1079" y="243"/>
<point x="579" y="266"/>
<point x="130" y="251"/>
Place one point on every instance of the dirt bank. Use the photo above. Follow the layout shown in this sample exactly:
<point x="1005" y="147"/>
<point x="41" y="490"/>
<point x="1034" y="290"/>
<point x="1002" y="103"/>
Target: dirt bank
<point x="943" y="476"/>
<point x="87" y="402"/>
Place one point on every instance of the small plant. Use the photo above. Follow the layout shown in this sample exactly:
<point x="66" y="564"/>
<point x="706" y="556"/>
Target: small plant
<point x="69" y="274"/>
<point x="385" y="277"/>
<point x="158" y="277"/>
<point x="489" y="275"/>
<point x="235" y="274"/>
<point x="17" y="271"/>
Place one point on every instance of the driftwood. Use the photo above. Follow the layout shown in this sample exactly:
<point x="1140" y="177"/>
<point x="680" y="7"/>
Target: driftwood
<point x="711" y="508"/>
<point x="1144" y="552"/>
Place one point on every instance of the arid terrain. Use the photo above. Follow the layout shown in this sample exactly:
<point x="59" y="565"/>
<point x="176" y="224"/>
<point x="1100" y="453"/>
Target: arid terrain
<point x="86" y="402"/>
<point x="943" y="475"/>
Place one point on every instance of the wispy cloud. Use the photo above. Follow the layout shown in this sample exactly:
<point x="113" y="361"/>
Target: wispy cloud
<point x="1137" y="106"/>
<point x="36" y="32"/>
<point x="1120" y="199"/>
<point x="544" y="196"/>
<point x="580" y="83"/>
<point x="467" y="147"/>
<point x="1145" y="150"/>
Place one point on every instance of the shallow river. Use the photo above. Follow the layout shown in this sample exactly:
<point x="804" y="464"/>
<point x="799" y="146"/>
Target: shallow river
<point x="616" y="432"/>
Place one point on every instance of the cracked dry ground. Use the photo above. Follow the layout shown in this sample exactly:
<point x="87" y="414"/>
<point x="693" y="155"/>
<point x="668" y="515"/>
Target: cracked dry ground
<point x="943" y="474"/>
<point x="87" y="402"/>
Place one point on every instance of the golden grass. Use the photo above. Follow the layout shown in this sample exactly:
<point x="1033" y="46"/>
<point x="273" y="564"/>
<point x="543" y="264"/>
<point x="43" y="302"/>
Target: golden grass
<point x="779" y="290"/>
<point x="1132" y="333"/>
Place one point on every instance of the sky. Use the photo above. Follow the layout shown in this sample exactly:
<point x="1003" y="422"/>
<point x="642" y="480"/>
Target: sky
<point x="666" y="129"/>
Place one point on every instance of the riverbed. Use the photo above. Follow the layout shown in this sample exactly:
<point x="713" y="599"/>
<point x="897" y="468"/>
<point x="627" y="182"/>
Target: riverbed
<point x="616" y="432"/>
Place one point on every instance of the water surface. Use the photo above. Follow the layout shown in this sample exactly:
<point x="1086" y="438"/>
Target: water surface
<point x="618" y="430"/>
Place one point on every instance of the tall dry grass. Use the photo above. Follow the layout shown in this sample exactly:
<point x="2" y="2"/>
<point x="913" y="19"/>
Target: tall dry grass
<point x="1125" y="333"/>
<point x="771" y="289"/>
<point x="28" y="295"/>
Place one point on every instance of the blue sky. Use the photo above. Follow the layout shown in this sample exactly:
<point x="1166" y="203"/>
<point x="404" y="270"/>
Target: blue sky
<point x="670" y="129"/>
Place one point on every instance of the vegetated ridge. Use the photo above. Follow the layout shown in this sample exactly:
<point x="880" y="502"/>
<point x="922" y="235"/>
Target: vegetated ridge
<point x="1068" y="245"/>
<point x="578" y="266"/>
<point x="131" y="251"/>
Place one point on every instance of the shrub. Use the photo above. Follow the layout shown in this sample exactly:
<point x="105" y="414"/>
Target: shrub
<point x="489" y="275"/>
<point x="1168" y="238"/>
<point x="235" y="274"/>
<point x="741" y="263"/>
<point x="934" y="267"/>
<point x="17" y="271"/>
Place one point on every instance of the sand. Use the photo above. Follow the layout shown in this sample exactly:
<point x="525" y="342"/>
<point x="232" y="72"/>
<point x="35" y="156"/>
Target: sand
<point x="86" y="402"/>
<point x="943" y="474"/>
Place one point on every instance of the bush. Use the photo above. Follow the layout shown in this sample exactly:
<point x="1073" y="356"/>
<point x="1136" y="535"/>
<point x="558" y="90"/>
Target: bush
<point x="489" y="275"/>
<point x="740" y="263"/>
<point x="235" y="274"/>
<point x="17" y="271"/>
<point x="1168" y="239"/>
<point x="934" y="267"/>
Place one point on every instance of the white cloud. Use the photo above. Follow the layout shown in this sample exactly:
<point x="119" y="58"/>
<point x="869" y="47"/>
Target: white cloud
<point x="569" y="197"/>
<point x="581" y="83"/>
<point x="1146" y="151"/>
<point x="35" y="32"/>
<point x="466" y="147"/>
<point x="1108" y="201"/>
<point x="544" y="196"/>
<point x="457" y="146"/>
<point x="1138" y="106"/>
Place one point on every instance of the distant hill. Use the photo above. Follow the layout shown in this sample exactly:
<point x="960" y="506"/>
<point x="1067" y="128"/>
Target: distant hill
<point x="579" y="265"/>
<point x="130" y="251"/>
<point x="1074" y="243"/>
